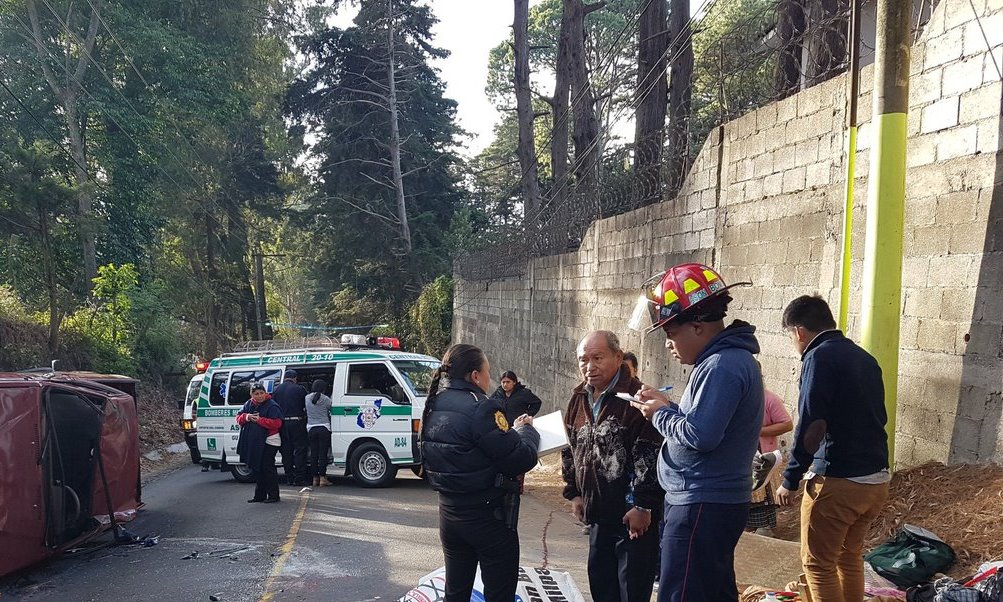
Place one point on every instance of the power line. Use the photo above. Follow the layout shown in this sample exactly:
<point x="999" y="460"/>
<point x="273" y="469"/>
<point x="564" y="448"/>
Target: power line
<point x="47" y="132"/>
<point x="170" y="153"/>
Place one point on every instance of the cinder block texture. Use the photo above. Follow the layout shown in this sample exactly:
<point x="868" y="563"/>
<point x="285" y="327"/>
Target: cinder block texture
<point x="772" y="214"/>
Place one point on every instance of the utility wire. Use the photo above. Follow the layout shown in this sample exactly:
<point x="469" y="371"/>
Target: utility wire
<point x="61" y="146"/>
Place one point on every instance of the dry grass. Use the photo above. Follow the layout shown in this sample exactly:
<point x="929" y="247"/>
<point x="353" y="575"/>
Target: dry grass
<point x="962" y="504"/>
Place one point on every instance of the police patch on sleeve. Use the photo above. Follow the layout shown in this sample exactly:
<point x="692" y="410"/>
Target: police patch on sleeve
<point x="501" y="421"/>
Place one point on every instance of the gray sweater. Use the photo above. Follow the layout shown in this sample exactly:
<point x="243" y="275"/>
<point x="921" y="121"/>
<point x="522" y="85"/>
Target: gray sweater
<point x="318" y="414"/>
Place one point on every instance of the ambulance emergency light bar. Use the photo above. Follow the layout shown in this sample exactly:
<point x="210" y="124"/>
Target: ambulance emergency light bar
<point x="361" y="340"/>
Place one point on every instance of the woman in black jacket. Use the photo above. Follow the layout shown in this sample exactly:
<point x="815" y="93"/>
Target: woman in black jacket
<point x="516" y="397"/>
<point x="471" y="457"/>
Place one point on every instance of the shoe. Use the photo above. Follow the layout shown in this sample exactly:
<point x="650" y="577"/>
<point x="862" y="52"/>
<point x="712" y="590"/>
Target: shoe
<point x="326" y="482"/>
<point x="316" y="481"/>
<point x="254" y="500"/>
<point x="271" y="500"/>
<point x="763" y="466"/>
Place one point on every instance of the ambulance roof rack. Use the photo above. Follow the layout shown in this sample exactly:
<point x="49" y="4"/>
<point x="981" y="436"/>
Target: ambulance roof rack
<point x="301" y="343"/>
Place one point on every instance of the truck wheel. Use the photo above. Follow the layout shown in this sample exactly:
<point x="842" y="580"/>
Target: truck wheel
<point x="371" y="467"/>
<point x="242" y="474"/>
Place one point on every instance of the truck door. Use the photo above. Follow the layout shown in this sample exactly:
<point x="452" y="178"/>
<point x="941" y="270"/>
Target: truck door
<point x="375" y="405"/>
<point x="237" y="393"/>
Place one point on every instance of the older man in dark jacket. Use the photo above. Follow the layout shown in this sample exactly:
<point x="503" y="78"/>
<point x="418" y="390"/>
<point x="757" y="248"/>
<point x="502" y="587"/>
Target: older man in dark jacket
<point x="610" y="474"/>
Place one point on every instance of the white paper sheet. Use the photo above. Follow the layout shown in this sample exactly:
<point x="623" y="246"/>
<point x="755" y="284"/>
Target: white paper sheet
<point x="553" y="434"/>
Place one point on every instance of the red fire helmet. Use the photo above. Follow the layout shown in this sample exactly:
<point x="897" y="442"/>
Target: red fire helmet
<point x="669" y="294"/>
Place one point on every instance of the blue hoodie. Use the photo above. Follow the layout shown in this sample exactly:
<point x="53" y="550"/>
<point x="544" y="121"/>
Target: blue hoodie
<point x="712" y="435"/>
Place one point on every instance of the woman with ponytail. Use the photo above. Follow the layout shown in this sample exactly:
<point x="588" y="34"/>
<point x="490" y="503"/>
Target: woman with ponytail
<point x="472" y="456"/>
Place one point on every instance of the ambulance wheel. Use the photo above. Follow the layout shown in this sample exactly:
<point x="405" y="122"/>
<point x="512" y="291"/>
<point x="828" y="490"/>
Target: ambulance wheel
<point x="242" y="474"/>
<point x="371" y="467"/>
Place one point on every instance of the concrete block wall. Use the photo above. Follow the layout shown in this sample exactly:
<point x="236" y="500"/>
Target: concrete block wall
<point x="764" y="202"/>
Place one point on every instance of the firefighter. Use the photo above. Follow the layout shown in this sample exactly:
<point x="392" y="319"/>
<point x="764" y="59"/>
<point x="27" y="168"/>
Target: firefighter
<point x="711" y="434"/>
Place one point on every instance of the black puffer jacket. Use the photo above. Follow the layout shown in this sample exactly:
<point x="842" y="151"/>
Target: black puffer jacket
<point x="522" y="401"/>
<point x="468" y="449"/>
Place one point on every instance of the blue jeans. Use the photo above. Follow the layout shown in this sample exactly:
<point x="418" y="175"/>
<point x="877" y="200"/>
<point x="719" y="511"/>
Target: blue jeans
<point x="698" y="552"/>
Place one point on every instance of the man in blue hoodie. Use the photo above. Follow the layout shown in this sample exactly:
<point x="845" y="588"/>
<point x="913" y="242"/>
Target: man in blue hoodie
<point x="711" y="435"/>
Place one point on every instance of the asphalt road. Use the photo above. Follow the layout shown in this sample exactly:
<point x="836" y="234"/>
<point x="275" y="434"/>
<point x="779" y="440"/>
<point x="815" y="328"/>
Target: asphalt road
<point x="341" y="543"/>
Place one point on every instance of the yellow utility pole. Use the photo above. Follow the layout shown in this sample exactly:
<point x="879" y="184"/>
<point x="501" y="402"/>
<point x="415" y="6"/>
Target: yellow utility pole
<point x="882" y="278"/>
<point x="851" y="164"/>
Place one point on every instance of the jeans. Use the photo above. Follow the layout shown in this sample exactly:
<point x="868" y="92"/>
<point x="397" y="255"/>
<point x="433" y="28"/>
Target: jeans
<point x="835" y="516"/>
<point x="622" y="569"/>
<point x="267" y="486"/>
<point x="320" y="444"/>
<point x="698" y="552"/>
<point x="294" y="450"/>
<point x="477" y="534"/>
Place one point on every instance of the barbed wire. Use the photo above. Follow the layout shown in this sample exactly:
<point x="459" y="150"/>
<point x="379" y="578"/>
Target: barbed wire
<point x="747" y="54"/>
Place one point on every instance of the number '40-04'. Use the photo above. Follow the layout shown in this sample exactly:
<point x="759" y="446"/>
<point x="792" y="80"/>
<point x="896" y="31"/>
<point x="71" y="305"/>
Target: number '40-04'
<point x="400" y="441"/>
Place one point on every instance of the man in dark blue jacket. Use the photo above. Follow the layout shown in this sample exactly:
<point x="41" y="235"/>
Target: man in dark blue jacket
<point x="711" y="435"/>
<point x="840" y="449"/>
<point x="291" y="397"/>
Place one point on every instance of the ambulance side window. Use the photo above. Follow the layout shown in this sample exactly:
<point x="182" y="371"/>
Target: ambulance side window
<point x="217" y="389"/>
<point x="240" y="384"/>
<point x="375" y="380"/>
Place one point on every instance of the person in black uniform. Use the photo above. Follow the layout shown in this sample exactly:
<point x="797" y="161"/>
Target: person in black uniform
<point x="471" y="456"/>
<point x="515" y="397"/>
<point x="291" y="397"/>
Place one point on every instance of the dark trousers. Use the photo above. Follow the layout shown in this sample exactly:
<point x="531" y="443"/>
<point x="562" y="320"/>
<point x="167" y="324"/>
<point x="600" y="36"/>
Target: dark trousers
<point x="477" y="534"/>
<point x="320" y="443"/>
<point x="698" y="552"/>
<point x="267" y="486"/>
<point x="294" y="449"/>
<point x="622" y="569"/>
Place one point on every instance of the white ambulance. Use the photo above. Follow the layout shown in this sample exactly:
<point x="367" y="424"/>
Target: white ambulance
<point x="378" y="396"/>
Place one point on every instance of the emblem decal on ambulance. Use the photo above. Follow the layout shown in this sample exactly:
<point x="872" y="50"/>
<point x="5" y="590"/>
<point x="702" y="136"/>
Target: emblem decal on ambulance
<point x="369" y="414"/>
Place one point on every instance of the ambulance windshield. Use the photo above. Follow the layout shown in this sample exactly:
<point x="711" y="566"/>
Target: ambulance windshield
<point x="417" y="374"/>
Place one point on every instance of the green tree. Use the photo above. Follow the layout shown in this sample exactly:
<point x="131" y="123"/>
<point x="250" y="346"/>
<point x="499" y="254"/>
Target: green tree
<point x="353" y="219"/>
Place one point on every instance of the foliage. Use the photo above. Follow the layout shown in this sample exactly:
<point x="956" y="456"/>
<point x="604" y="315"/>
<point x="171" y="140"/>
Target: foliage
<point x="185" y="146"/>
<point x="730" y="73"/>
<point x="351" y="217"/>
<point x="432" y="317"/>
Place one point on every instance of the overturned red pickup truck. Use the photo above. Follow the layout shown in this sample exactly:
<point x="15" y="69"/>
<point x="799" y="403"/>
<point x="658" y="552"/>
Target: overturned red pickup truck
<point x="69" y="464"/>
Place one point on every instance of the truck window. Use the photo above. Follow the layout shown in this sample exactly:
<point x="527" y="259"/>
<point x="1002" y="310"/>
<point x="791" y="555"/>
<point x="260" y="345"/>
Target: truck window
<point x="193" y="392"/>
<point x="239" y="390"/>
<point x="417" y="374"/>
<point x="217" y="388"/>
<point x="374" y="379"/>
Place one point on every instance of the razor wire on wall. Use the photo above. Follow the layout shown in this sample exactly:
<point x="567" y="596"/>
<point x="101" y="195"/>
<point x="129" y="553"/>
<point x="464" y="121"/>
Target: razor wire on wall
<point x="745" y="54"/>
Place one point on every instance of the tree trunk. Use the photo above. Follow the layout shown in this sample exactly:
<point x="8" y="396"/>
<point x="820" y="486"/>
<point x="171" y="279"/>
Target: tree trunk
<point x="826" y="43"/>
<point x="395" y="136"/>
<point x="85" y="198"/>
<point x="790" y="37"/>
<point x="560" y="105"/>
<point x="651" y="99"/>
<point x="680" y="96"/>
<point x="69" y="96"/>
<point x="524" y="110"/>
<point x="51" y="287"/>
<point x="212" y="339"/>
<point x="586" y="129"/>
